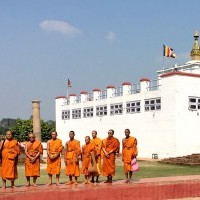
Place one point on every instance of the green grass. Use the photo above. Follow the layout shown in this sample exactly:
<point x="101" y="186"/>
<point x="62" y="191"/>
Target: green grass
<point x="147" y="170"/>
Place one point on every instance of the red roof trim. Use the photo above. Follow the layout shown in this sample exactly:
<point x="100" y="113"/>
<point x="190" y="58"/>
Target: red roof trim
<point x="180" y="74"/>
<point x="110" y="87"/>
<point x="96" y="90"/>
<point x="126" y="83"/>
<point x="83" y="92"/>
<point x="60" y="97"/>
<point x="72" y="95"/>
<point x="145" y="79"/>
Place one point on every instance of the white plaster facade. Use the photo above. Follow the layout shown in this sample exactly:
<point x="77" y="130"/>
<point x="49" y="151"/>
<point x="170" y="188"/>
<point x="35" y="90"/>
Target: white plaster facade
<point x="173" y="130"/>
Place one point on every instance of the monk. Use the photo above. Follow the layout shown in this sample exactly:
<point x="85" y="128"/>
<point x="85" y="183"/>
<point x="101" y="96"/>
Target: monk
<point x="87" y="149"/>
<point x="54" y="149"/>
<point x="98" y="145"/>
<point x="1" y="145"/>
<point x="71" y="158"/>
<point x="33" y="150"/>
<point x="110" y="148"/>
<point x="10" y="154"/>
<point x="129" y="152"/>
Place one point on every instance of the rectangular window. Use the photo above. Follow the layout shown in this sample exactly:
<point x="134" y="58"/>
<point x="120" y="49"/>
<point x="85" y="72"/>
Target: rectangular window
<point x="65" y="114"/>
<point x="116" y="109"/>
<point x="101" y="110"/>
<point x="133" y="107"/>
<point x="152" y="104"/>
<point x="76" y="113"/>
<point x="88" y="112"/>
<point x="194" y="103"/>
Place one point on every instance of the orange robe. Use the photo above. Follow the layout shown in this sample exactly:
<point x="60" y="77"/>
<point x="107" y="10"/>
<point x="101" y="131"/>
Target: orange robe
<point x="1" y="143"/>
<point x="9" y="162"/>
<point x="33" y="169"/>
<point x="110" y="144"/>
<point x="129" y="151"/>
<point x="86" y="150"/>
<point x="73" y="150"/>
<point x="98" y="145"/>
<point x="54" y="165"/>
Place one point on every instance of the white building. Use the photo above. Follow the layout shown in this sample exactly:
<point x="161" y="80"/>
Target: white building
<point x="164" y="115"/>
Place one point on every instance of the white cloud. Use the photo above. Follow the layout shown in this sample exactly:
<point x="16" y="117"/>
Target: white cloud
<point x="110" y="36"/>
<point x="59" y="26"/>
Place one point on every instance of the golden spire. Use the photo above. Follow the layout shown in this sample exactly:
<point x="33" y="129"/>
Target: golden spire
<point x="195" y="53"/>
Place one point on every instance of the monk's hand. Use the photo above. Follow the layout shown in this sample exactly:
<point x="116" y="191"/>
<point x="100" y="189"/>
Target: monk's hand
<point x="32" y="159"/>
<point x="107" y="155"/>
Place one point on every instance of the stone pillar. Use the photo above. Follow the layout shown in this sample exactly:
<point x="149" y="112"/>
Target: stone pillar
<point x="36" y="119"/>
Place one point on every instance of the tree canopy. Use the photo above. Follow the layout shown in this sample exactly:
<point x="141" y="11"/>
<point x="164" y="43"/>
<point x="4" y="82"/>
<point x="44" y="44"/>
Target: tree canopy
<point x="21" y="128"/>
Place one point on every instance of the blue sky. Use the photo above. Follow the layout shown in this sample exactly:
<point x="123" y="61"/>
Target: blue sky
<point x="94" y="43"/>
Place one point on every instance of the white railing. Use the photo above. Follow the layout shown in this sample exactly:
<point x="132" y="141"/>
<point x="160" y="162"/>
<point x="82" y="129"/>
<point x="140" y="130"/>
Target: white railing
<point x="103" y="94"/>
<point x="153" y="85"/>
<point x="118" y="91"/>
<point x="78" y="99"/>
<point x="89" y="97"/>
<point x="135" y="88"/>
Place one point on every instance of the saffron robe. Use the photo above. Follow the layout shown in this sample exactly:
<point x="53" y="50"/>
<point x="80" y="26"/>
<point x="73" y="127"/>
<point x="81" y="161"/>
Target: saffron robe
<point x="129" y="151"/>
<point x="98" y="146"/>
<point x="33" y="169"/>
<point x="54" y="165"/>
<point x="110" y="144"/>
<point x="86" y="157"/>
<point x="10" y="153"/>
<point x="73" y="150"/>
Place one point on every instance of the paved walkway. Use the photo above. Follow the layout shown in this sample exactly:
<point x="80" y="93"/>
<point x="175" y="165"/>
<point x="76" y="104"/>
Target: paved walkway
<point x="147" y="188"/>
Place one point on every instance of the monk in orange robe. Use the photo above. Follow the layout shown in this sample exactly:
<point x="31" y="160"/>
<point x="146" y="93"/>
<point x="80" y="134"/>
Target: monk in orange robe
<point x="1" y="144"/>
<point x="129" y="151"/>
<point x="33" y="149"/>
<point x="98" y="145"/>
<point x="10" y="154"/>
<point x="110" y="148"/>
<point x="87" y="149"/>
<point x="54" y="149"/>
<point x="72" y="157"/>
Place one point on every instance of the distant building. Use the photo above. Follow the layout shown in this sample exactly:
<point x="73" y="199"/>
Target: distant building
<point x="163" y="114"/>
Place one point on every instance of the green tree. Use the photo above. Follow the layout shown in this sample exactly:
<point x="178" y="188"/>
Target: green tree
<point x="5" y="124"/>
<point x="22" y="128"/>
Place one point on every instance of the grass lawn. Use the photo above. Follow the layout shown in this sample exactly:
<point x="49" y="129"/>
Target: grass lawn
<point x="147" y="170"/>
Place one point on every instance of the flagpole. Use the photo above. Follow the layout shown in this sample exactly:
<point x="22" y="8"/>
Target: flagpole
<point x="163" y="63"/>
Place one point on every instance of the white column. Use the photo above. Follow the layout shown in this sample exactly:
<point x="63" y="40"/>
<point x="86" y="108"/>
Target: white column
<point x="110" y="91"/>
<point x="72" y="98"/>
<point x="83" y="96"/>
<point x="96" y="94"/>
<point x="144" y="84"/>
<point x="126" y="88"/>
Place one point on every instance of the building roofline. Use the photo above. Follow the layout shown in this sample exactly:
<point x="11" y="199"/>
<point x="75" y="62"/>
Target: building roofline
<point x="83" y="92"/>
<point x="179" y="73"/>
<point x="60" y="97"/>
<point x="126" y="83"/>
<point x="97" y="90"/>
<point x="145" y="79"/>
<point x="110" y="87"/>
<point x="72" y="95"/>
